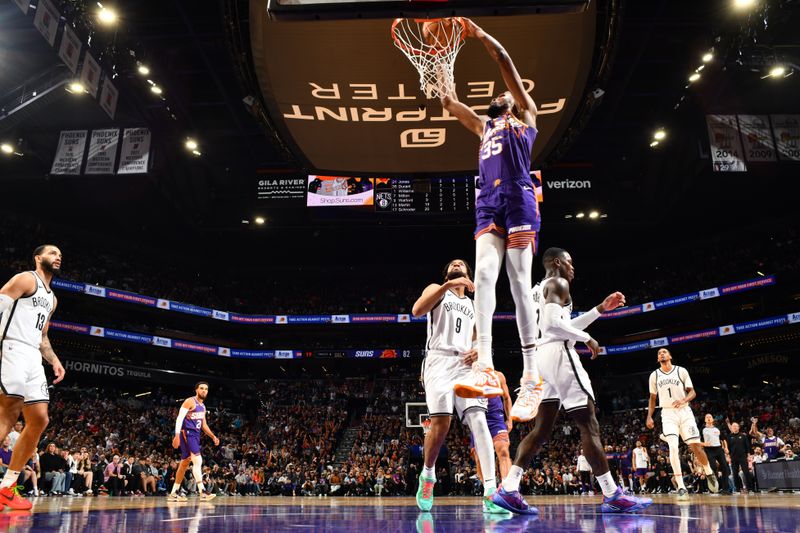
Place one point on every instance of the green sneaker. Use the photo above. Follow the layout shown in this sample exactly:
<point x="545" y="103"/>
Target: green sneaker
<point x="425" y="493"/>
<point x="425" y="523"/>
<point x="490" y="508"/>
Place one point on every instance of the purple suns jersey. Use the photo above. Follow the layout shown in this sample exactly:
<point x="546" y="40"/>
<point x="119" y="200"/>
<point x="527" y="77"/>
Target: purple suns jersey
<point x="505" y="152"/>
<point x="496" y="412"/>
<point x="194" y="419"/>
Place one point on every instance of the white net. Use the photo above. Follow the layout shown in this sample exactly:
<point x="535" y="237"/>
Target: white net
<point x="432" y="46"/>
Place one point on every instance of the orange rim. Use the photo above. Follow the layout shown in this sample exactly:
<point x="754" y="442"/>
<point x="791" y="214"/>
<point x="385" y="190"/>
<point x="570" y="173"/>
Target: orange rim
<point x="417" y="51"/>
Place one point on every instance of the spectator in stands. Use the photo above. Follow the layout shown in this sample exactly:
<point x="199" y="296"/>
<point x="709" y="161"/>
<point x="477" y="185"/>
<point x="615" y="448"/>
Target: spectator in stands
<point x="84" y="470"/>
<point x="31" y="472"/>
<point x="113" y="477"/>
<point x="15" y="433"/>
<point x="5" y="455"/>
<point x="53" y="469"/>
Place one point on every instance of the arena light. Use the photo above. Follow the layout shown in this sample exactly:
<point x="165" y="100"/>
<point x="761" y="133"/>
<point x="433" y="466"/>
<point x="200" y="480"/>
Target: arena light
<point x="707" y="57"/>
<point x="76" y="87"/>
<point x="143" y="394"/>
<point x="567" y="216"/>
<point x="143" y="70"/>
<point x="197" y="153"/>
<point x="765" y="382"/>
<point x="778" y="71"/>
<point x="580" y="215"/>
<point x="653" y="144"/>
<point x="190" y="144"/>
<point x="7" y="148"/>
<point x="604" y="215"/>
<point x="743" y="4"/>
<point x="594" y="214"/>
<point x="694" y="77"/>
<point x="660" y="135"/>
<point x="760" y="273"/>
<point x="156" y="89"/>
<point x="260" y="221"/>
<point x="106" y="16"/>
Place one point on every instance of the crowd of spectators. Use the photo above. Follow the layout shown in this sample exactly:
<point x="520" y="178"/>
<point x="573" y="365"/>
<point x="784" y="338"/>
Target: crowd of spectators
<point x="289" y="438"/>
<point x="353" y="292"/>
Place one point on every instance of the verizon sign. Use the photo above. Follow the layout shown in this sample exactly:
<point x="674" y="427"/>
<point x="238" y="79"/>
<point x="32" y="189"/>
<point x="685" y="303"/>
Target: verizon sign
<point x="347" y="100"/>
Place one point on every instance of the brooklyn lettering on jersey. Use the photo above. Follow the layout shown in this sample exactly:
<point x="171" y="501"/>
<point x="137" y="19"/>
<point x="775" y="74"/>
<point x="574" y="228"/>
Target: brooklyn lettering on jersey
<point x="41" y="301"/>
<point x="465" y="310"/>
<point x="665" y="382"/>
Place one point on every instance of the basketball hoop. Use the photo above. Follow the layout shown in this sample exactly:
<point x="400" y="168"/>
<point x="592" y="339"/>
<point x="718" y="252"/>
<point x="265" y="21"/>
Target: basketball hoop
<point x="432" y="46"/>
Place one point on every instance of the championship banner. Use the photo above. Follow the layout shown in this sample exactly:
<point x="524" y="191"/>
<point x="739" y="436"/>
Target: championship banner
<point x="727" y="154"/>
<point x="102" y="152"/>
<point x="46" y="20"/>
<point x="70" y="49"/>
<point x="108" y="98"/>
<point x="23" y="5"/>
<point x="787" y="136"/>
<point x="69" y="155"/>
<point x="90" y="75"/>
<point x="135" y="154"/>
<point x="757" y="138"/>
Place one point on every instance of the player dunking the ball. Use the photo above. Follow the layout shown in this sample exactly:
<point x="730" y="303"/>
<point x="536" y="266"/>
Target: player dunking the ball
<point x="674" y="389"/>
<point x="191" y="420"/>
<point x="451" y="327"/>
<point x="26" y="305"/>
<point x="567" y="385"/>
<point x="507" y="224"/>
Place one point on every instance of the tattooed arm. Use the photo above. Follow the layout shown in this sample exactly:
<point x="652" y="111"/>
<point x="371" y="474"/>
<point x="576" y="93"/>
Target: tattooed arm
<point x="47" y="352"/>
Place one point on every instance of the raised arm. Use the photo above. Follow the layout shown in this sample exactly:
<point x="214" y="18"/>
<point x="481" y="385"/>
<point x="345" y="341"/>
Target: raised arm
<point x="434" y="292"/>
<point x="468" y="118"/>
<point x="507" y="69"/>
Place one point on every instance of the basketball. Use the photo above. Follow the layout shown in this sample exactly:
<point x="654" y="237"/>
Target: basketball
<point x="437" y="32"/>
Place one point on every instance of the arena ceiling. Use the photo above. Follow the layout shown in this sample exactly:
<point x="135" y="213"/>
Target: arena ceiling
<point x="195" y="54"/>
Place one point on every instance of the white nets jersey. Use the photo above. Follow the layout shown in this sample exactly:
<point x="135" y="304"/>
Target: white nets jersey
<point x="540" y="330"/>
<point x="450" y="324"/>
<point x="25" y="320"/>
<point x="670" y="386"/>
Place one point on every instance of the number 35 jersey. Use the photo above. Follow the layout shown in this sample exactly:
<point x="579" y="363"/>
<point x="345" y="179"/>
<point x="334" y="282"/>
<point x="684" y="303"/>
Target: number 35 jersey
<point x="450" y="324"/>
<point x="505" y="152"/>
<point x="25" y="320"/>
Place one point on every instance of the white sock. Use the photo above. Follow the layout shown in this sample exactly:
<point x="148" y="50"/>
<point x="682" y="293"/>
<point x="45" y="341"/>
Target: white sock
<point x="511" y="482"/>
<point x="484" y="346"/>
<point x="484" y="449"/>
<point x="10" y="479"/>
<point x="607" y="484"/>
<point x="175" y="488"/>
<point x="489" y="486"/>
<point x="429" y="472"/>
<point x="679" y="481"/>
<point x="530" y="371"/>
<point x="200" y="488"/>
<point x="707" y="469"/>
<point x="489" y="253"/>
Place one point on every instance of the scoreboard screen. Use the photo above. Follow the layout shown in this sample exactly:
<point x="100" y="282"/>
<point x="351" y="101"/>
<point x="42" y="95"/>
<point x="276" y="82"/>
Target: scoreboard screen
<point x="425" y="195"/>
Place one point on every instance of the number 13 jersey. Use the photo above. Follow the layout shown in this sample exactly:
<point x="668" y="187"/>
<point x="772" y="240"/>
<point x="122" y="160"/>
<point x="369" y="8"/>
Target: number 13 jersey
<point x="450" y="324"/>
<point x="25" y="320"/>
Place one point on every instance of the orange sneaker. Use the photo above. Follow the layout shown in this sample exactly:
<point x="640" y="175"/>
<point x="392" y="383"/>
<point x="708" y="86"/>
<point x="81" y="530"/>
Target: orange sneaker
<point x="482" y="382"/>
<point x="528" y="400"/>
<point x="11" y="499"/>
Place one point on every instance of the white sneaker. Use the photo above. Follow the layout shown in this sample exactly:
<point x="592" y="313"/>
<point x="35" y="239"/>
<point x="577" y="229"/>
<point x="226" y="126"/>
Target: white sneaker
<point x="482" y="382"/>
<point x="529" y="397"/>
<point x="683" y="494"/>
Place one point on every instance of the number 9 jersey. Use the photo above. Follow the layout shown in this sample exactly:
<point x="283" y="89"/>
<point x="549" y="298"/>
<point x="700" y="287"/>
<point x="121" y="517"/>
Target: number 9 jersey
<point x="450" y="324"/>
